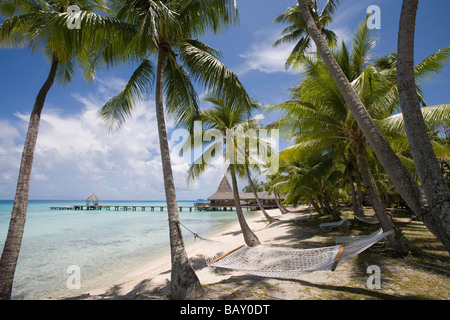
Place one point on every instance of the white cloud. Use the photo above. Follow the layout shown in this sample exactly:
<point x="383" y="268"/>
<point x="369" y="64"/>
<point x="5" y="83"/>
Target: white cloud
<point x="262" y="56"/>
<point x="76" y="155"/>
<point x="259" y="116"/>
<point x="10" y="154"/>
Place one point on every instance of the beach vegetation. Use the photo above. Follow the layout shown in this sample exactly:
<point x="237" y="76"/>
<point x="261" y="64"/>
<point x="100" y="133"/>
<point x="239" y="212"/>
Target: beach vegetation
<point x="433" y="212"/>
<point x="230" y="123"/>
<point x="329" y="147"/>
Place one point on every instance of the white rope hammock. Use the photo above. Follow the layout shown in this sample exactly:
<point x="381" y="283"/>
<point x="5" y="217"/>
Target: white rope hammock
<point x="270" y="262"/>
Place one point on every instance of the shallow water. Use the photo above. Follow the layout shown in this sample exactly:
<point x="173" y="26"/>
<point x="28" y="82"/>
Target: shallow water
<point x="99" y="243"/>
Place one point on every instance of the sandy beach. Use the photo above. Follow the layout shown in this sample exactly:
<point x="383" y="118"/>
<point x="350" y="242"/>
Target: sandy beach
<point x="399" y="276"/>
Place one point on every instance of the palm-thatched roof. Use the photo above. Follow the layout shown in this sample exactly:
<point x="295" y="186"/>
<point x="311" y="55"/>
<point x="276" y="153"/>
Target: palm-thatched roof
<point x="263" y="195"/>
<point x="92" y="198"/>
<point x="224" y="191"/>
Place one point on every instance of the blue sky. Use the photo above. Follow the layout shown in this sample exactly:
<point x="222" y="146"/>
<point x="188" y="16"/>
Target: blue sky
<point x="76" y="155"/>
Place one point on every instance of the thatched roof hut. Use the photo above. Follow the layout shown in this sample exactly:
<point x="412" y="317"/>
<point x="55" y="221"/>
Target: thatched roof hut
<point x="224" y="191"/>
<point x="224" y="197"/>
<point x="263" y="195"/>
<point x="92" y="198"/>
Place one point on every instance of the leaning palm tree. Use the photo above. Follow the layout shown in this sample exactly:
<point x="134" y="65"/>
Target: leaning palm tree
<point x="167" y="31"/>
<point x="43" y="26"/>
<point x="408" y="188"/>
<point x="228" y="125"/>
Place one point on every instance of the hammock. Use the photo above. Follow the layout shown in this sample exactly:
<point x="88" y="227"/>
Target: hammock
<point x="347" y="239"/>
<point x="269" y="262"/>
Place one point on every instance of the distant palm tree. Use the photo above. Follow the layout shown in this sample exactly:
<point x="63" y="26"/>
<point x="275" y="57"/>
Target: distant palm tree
<point x="42" y="25"/>
<point x="255" y="193"/>
<point x="296" y="31"/>
<point x="228" y="123"/>
<point x="167" y="31"/>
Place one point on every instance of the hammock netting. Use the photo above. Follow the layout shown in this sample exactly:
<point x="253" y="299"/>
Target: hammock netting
<point x="270" y="262"/>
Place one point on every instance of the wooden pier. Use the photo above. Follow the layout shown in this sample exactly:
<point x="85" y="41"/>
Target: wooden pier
<point x="81" y="207"/>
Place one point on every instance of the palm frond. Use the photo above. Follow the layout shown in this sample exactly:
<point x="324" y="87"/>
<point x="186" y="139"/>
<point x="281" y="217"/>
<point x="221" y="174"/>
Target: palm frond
<point x="428" y="68"/>
<point x="201" y="16"/>
<point x="207" y="70"/>
<point x="437" y="114"/>
<point x="65" y="72"/>
<point x="364" y="40"/>
<point x="119" y="108"/>
<point x="181" y="97"/>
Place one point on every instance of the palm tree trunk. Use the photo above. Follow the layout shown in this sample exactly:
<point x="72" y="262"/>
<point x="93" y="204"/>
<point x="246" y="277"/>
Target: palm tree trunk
<point x="278" y="202"/>
<point x="427" y="166"/>
<point x="10" y="255"/>
<point x="252" y="185"/>
<point x="356" y="204"/>
<point x="250" y="238"/>
<point x="377" y="203"/>
<point x="328" y="208"/>
<point x="184" y="282"/>
<point x="316" y="207"/>
<point x="359" y="188"/>
<point x="353" y="191"/>
<point x="356" y="192"/>
<point x="400" y="177"/>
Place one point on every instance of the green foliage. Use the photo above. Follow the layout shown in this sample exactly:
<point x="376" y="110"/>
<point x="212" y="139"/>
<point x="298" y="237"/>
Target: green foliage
<point x="176" y="24"/>
<point x="296" y="30"/>
<point x="324" y="132"/>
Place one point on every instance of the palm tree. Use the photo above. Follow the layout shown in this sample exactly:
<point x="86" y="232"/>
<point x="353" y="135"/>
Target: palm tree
<point x="403" y="181"/>
<point x="230" y="124"/>
<point x="320" y="122"/>
<point x="167" y="31"/>
<point x="255" y="193"/>
<point x="432" y="180"/>
<point x="317" y="179"/>
<point x="296" y="31"/>
<point x="42" y="25"/>
<point x="276" y="183"/>
<point x="252" y="163"/>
